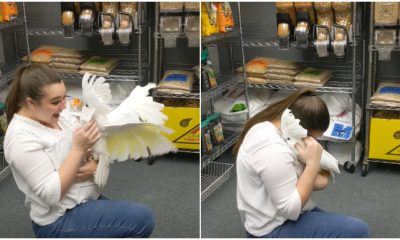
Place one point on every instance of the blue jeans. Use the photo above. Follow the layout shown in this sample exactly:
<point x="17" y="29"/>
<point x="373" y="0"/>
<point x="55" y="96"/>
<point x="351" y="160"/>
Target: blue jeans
<point x="101" y="218"/>
<point x="320" y="224"/>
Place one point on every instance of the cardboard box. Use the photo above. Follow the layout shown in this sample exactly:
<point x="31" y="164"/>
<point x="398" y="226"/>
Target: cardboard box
<point x="384" y="139"/>
<point x="186" y="125"/>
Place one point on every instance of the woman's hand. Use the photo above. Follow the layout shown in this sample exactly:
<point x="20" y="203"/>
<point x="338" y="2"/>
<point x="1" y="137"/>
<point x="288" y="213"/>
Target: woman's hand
<point x="86" y="136"/>
<point x="86" y="171"/>
<point x="322" y="180"/>
<point x="310" y="153"/>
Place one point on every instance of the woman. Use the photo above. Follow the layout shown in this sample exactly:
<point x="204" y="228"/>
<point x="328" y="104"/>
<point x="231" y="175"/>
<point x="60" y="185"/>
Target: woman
<point x="274" y="188"/>
<point x="47" y="152"/>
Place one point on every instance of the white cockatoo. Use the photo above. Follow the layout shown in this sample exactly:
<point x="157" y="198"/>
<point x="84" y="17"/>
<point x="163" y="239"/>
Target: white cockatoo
<point x="293" y="133"/>
<point x="132" y="130"/>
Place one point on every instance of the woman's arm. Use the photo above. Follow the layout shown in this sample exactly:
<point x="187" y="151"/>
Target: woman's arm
<point x="322" y="180"/>
<point x="84" y="138"/>
<point x="311" y="154"/>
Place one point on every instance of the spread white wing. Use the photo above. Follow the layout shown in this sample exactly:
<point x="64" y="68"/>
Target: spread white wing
<point x="132" y="130"/>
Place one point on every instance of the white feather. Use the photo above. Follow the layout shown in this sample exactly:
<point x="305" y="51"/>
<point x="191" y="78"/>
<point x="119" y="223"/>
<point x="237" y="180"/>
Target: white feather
<point x="132" y="131"/>
<point x="293" y="133"/>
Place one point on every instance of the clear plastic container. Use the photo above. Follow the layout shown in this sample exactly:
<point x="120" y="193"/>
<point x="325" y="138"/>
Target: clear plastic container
<point x="170" y="29"/>
<point x="385" y="40"/>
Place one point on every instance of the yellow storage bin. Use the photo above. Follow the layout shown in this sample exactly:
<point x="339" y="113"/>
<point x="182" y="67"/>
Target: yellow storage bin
<point x="384" y="139"/>
<point x="186" y="125"/>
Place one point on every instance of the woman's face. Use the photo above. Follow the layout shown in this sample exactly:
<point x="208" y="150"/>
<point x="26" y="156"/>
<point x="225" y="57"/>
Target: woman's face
<point x="48" y="110"/>
<point x="315" y="134"/>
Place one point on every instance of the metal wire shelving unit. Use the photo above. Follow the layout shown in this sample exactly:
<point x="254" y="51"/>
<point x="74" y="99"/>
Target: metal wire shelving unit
<point x="214" y="174"/>
<point x="132" y="67"/>
<point x="348" y="72"/>
<point x="373" y="79"/>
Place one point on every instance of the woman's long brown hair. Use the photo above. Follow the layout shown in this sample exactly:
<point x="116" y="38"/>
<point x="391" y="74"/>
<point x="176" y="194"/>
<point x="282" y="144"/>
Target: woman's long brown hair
<point x="29" y="81"/>
<point x="305" y="105"/>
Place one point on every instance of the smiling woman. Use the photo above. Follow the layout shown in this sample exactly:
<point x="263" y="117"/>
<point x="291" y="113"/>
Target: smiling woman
<point x="49" y="156"/>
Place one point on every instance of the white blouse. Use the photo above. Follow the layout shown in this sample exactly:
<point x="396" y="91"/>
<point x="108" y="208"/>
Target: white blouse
<point x="35" y="153"/>
<point x="267" y="176"/>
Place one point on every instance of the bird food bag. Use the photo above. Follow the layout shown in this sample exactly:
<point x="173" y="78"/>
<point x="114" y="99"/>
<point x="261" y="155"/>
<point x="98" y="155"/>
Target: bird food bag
<point x="180" y="81"/>
<point x="100" y="64"/>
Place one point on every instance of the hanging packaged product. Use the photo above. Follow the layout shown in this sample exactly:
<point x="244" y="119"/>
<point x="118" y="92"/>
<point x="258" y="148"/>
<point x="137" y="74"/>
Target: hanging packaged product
<point x="224" y="17"/>
<point x="192" y="7"/>
<point x="173" y="7"/>
<point x="192" y="30"/>
<point x="386" y="13"/>
<point x="342" y="30"/>
<point x="285" y="20"/>
<point x="206" y="144"/>
<point x="68" y="18"/>
<point x="209" y="24"/>
<point x="9" y="11"/>
<point x="288" y="8"/>
<point x="217" y="133"/>
<point x="107" y="22"/>
<point x="86" y="18"/>
<point x="170" y="29"/>
<point x="176" y="82"/>
<point x="325" y="20"/>
<point x="305" y="17"/>
<point x="385" y="41"/>
<point x="126" y="21"/>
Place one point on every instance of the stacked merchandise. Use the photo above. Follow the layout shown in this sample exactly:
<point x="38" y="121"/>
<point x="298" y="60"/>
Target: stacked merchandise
<point x="67" y="60"/>
<point x="265" y="70"/>
<point x="208" y="79"/>
<point x="43" y="54"/>
<point x="211" y="132"/>
<point x="216" y="17"/>
<point x="387" y="94"/>
<point x="176" y="82"/>
<point x="313" y="77"/>
<point x="98" y="65"/>
<point x="73" y="61"/>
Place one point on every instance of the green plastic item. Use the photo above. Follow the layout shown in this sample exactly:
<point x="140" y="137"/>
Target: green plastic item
<point x="216" y="115"/>
<point x="238" y="107"/>
<point x="204" y="124"/>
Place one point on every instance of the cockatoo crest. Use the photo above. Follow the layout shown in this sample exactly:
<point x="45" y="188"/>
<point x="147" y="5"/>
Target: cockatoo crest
<point x="293" y="133"/>
<point x="132" y="130"/>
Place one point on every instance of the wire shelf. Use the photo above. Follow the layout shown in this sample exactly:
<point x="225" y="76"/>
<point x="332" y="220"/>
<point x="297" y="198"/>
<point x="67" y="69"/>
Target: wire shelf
<point x="213" y="176"/>
<point x="274" y="43"/>
<point x="218" y="150"/>
<point x="8" y="25"/>
<point x="220" y="37"/>
<point x="60" y="32"/>
<point x="384" y="108"/>
<point x="332" y="86"/>
<point x="194" y="95"/>
<point x="224" y="83"/>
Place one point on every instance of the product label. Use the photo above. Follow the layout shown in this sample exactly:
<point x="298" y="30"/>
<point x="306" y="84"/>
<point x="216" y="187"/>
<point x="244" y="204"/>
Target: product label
<point x="218" y="133"/>
<point x="341" y="131"/>
<point x="390" y="90"/>
<point x="312" y="72"/>
<point x="177" y="77"/>
<point x="190" y="137"/>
